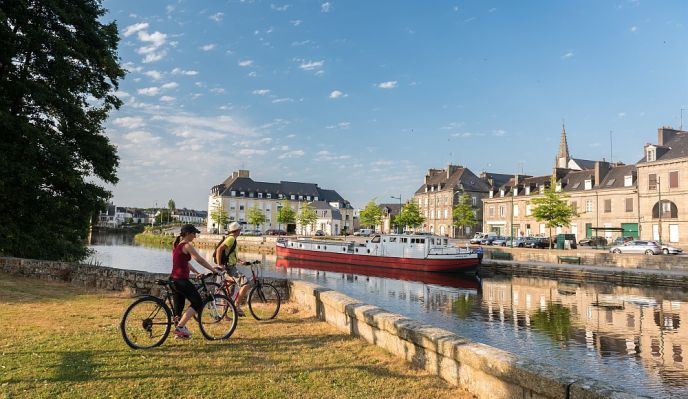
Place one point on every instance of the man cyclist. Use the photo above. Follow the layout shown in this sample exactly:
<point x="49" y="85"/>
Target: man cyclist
<point x="229" y="247"/>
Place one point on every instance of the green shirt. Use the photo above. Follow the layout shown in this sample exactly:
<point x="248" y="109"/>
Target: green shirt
<point x="228" y="244"/>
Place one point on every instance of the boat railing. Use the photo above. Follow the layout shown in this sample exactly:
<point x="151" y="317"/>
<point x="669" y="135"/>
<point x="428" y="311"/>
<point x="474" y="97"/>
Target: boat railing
<point x="446" y="251"/>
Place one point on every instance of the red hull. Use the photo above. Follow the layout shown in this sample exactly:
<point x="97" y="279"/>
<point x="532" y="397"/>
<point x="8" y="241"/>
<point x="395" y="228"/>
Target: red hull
<point x="419" y="265"/>
<point x="443" y="279"/>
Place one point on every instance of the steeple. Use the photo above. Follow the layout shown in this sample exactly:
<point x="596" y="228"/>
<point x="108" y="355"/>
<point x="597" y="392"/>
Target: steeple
<point x="563" y="156"/>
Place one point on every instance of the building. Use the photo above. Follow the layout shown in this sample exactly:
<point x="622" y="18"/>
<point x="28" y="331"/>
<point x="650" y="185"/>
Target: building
<point x="440" y="192"/>
<point x="389" y="212"/>
<point x="239" y="192"/>
<point x="189" y="216"/>
<point x="644" y="200"/>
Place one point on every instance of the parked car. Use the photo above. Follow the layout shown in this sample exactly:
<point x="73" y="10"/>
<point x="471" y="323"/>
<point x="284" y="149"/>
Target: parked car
<point x="251" y="232"/>
<point x="319" y="233"/>
<point x="477" y="237"/>
<point x="500" y="241"/>
<point x="594" y="241"/>
<point x="520" y="242"/>
<point x="669" y="250"/>
<point x="363" y="232"/>
<point x="637" y="247"/>
<point x="275" y="232"/>
<point x="539" y="242"/>
<point x="487" y="240"/>
<point x="622" y="240"/>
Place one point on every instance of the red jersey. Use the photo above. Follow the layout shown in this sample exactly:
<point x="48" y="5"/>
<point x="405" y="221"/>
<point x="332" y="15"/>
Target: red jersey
<point x="180" y="263"/>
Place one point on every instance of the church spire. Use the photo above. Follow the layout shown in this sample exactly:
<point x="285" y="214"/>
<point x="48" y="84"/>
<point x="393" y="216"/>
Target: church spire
<point x="563" y="156"/>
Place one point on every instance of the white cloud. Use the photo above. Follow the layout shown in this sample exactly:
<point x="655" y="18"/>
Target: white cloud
<point x="280" y="8"/>
<point x="499" y="132"/>
<point x="621" y="114"/>
<point x="283" y="100"/>
<point x="295" y="22"/>
<point x="152" y="57"/>
<point x="292" y="154"/>
<point x="149" y="91"/>
<point x="155" y="75"/>
<point x="170" y="85"/>
<point x="208" y="47"/>
<point x="634" y="28"/>
<point x="156" y="38"/>
<point x="452" y="126"/>
<point x="131" y="29"/>
<point x="336" y="94"/>
<point x="217" y="90"/>
<point x="340" y="125"/>
<point x="251" y="151"/>
<point x="261" y="92"/>
<point x="301" y="43"/>
<point x="245" y="63"/>
<point x="140" y="137"/>
<point x="167" y="99"/>
<point x="152" y="50"/>
<point x="178" y="71"/>
<point x="217" y="17"/>
<point x="326" y="7"/>
<point x="567" y="55"/>
<point x="328" y="156"/>
<point x="388" y="85"/>
<point x="129" y="122"/>
<point x="252" y="74"/>
<point x="311" y="65"/>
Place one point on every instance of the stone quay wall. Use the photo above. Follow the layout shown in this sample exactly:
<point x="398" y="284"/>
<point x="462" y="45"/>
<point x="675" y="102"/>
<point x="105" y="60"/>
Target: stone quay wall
<point x="131" y="282"/>
<point x="484" y="371"/>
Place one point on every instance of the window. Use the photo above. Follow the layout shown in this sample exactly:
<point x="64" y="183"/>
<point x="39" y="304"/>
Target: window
<point x="260" y="195"/>
<point x="588" y="184"/>
<point x="490" y="211"/>
<point x="233" y="193"/>
<point x="251" y="194"/>
<point x="574" y="206"/>
<point x="474" y="201"/>
<point x="502" y="210"/>
<point x="241" y="207"/>
<point x="607" y="205"/>
<point x="300" y="197"/>
<point x="610" y="182"/>
<point x="527" y="190"/>
<point x="242" y="194"/>
<point x="308" y="198"/>
<point x="651" y="154"/>
<point x="529" y="209"/>
<point x="673" y="179"/>
<point x="629" y="204"/>
<point x="652" y="181"/>
<point x="588" y="205"/>
<point x="293" y="196"/>
<point x="575" y="186"/>
<point x="515" y="210"/>
<point x="628" y="181"/>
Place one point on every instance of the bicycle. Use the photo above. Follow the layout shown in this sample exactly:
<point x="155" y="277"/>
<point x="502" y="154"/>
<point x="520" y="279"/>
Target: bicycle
<point x="263" y="300"/>
<point x="148" y="320"/>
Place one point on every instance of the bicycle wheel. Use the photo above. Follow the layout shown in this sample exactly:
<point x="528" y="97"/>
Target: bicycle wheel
<point x="218" y="318"/>
<point x="146" y="323"/>
<point x="212" y="289"/>
<point x="264" y="301"/>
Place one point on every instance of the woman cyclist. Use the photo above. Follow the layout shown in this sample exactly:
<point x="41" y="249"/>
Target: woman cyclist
<point x="184" y="289"/>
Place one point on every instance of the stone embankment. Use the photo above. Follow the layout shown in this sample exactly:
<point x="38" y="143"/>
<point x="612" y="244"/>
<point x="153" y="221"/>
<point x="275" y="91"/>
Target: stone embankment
<point x="484" y="371"/>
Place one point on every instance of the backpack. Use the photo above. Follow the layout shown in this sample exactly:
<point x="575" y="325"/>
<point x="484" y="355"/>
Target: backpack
<point x="224" y="256"/>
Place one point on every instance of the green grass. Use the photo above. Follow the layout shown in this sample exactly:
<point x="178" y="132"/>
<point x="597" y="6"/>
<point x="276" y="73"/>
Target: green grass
<point x="63" y="341"/>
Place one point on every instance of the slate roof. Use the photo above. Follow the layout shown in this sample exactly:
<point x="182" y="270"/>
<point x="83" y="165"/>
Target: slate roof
<point x="584" y="164"/>
<point x="615" y="177"/>
<point x="394" y="209"/>
<point x="498" y="179"/>
<point x="322" y="205"/>
<point x="677" y="147"/>
<point x="286" y="188"/>
<point x="462" y="178"/>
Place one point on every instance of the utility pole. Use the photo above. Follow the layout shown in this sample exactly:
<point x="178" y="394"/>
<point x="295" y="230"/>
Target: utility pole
<point x="659" y="194"/>
<point x="399" y="198"/>
<point x="513" y="192"/>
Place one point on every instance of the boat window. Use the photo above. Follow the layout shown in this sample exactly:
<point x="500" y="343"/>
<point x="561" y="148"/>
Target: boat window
<point x="421" y="240"/>
<point x="432" y="241"/>
<point x="344" y="249"/>
<point x="404" y="240"/>
<point x="375" y="239"/>
<point x="392" y="239"/>
<point x="445" y="241"/>
<point x="325" y="247"/>
<point x="300" y="245"/>
<point x="368" y="251"/>
<point x="318" y="246"/>
<point x="356" y="249"/>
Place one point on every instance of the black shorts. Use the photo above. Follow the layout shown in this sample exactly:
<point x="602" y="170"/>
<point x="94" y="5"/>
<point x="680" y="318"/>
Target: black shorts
<point x="184" y="289"/>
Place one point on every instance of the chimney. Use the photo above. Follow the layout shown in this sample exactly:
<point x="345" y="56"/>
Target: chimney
<point x="601" y="170"/>
<point x="451" y="169"/>
<point x="243" y="173"/>
<point x="665" y="134"/>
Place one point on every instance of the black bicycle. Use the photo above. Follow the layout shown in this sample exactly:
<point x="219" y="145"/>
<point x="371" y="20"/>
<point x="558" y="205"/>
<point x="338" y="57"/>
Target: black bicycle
<point x="263" y="300"/>
<point x="148" y="320"/>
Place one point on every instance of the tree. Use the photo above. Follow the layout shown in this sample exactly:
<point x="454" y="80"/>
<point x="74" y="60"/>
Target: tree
<point x="255" y="216"/>
<point x="286" y="215"/>
<point x="171" y="207"/>
<point x="162" y="216"/>
<point x="463" y="213"/>
<point x="59" y="71"/>
<point x="371" y="215"/>
<point x="307" y="216"/>
<point x="553" y="209"/>
<point x="410" y="216"/>
<point x="219" y="216"/>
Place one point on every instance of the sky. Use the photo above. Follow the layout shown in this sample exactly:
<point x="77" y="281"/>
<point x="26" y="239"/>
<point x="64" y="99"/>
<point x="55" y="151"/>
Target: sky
<point x="364" y="97"/>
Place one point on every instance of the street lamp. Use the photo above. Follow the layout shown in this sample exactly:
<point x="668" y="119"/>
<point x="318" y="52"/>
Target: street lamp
<point x="512" y="216"/>
<point x="279" y="224"/>
<point x="399" y="198"/>
<point x="659" y="194"/>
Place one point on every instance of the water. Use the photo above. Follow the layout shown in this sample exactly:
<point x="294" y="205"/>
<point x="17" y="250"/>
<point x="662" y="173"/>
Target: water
<point x="629" y="336"/>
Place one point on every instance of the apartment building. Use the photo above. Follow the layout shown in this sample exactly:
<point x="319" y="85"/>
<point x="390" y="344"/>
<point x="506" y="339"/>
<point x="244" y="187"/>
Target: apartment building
<point x="440" y="192"/>
<point x="239" y="192"/>
<point x="643" y="200"/>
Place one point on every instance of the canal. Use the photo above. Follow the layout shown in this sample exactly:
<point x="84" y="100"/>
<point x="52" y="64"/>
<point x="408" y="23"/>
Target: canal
<point x="626" y="335"/>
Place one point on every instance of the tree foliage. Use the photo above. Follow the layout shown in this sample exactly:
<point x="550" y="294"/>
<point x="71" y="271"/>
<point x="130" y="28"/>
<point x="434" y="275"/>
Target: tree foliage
<point x="59" y="71"/>
<point x="255" y="216"/>
<point x="307" y="215"/>
<point x="219" y="216"/>
<point x="553" y="209"/>
<point x="371" y="215"/>
<point x="464" y="213"/>
<point x="286" y="215"/>
<point x="171" y="205"/>
<point x="410" y="216"/>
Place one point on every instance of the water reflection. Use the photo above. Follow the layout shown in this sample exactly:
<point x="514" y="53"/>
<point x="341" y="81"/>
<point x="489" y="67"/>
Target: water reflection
<point x="625" y="335"/>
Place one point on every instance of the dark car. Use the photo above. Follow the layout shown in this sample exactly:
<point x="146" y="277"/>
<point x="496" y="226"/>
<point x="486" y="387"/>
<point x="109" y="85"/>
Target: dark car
<point x="319" y="233"/>
<point x="488" y="240"/>
<point x="275" y="232"/>
<point x="594" y="241"/>
<point x="621" y="240"/>
<point x="539" y="242"/>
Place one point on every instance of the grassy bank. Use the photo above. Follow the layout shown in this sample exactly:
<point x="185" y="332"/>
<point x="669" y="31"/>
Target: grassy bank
<point x="154" y="239"/>
<point x="63" y="341"/>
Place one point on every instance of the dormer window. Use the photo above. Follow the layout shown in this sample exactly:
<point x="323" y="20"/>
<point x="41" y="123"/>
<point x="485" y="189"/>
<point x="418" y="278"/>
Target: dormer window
<point x="426" y="189"/>
<point x="588" y="184"/>
<point x="651" y="154"/>
<point x="557" y="188"/>
<point x="542" y="189"/>
<point x="515" y="191"/>
<point x="233" y="193"/>
<point x="260" y="195"/>
<point x="628" y="181"/>
<point x="527" y="190"/>
<point x="491" y="193"/>
<point x="501" y="192"/>
<point x="315" y="198"/>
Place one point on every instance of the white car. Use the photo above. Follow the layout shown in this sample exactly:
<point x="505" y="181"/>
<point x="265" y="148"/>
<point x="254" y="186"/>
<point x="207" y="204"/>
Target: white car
<point x="669" y="250"/>
<point x="637" y="247"/>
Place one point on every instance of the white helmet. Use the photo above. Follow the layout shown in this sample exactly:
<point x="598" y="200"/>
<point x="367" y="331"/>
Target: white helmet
<point x="234" y="226"/>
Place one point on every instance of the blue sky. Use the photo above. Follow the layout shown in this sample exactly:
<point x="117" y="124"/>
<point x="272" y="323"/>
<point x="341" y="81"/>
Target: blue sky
<point x="364" y="96"/>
